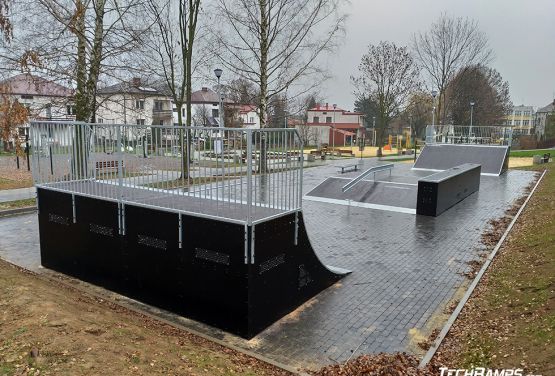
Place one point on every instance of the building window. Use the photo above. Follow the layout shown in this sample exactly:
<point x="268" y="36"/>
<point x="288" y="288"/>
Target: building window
<point x="316" y="119"/>
<point x="70" y="110"/>
<point x="158" y="105"/>
<point x="328" y="119"/>
<point x="140" y="121"/>
<point x="526" y="122"/>
<point x="100" y="121"/>
<point x="526" y="113"/>
<point x="140" y="104"/>
<point x="517" y="122"/>
<point x="184" y="112"/>
<point x="26" y="96"/>
<point x="518" y="113"/>
<point x="251" y="120"/>
<point x="215" y="113"/>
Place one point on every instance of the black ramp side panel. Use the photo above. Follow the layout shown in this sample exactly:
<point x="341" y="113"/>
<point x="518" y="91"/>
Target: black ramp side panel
<point x="205" y="280"/>
<point x="284" y="275"/>
<point x="439" y="192"/>
<point x="100" y="252"/>
<point x="58" y="237"/>
<point x="492" y="158"/>
<point x="204" y="269"/>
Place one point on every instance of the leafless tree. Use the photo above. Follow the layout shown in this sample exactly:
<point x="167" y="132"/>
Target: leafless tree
<point x="5" y="23"/>
<point x="75" y="42"/>
<point x="387" y="77"/>
<point x="276" y="43"/>
<point x="171" y="42"/>
<point x="447" y="47"/>
<point x="484" y="87"/>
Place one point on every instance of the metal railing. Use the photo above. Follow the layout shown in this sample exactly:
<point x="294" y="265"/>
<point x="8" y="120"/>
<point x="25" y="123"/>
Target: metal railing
<point x="234" y="174"/>
<point x="371" y="170"/>
<point x="476" y="135"/>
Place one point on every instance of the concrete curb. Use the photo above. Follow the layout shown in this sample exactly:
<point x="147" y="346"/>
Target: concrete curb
<point x="17" y="211"/>
<point x="437" y="342"/>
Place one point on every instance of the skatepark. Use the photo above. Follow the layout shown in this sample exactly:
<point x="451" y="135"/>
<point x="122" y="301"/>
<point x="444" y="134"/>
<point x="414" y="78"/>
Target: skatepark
<point x="269" y="256"/>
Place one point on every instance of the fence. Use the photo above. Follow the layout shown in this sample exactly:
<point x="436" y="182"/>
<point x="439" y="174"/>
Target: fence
<point x="234" y="174"/>
<point x="456" y="134"/>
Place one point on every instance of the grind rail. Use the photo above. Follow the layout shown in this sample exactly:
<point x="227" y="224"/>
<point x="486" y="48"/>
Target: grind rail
<point x="371" y="170"/>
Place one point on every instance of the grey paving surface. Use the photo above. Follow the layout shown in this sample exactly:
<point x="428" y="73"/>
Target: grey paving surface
<point x="405" y="269"/>
<point x="17" y="194"/>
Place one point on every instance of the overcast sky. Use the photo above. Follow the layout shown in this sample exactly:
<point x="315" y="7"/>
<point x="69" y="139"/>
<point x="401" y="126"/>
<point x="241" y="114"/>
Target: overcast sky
<point x="521" y="33"/>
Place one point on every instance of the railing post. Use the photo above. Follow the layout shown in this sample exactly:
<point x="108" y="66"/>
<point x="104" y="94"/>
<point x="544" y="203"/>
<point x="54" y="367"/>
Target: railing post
<point x="249" y="176"/>
<point x="120" y="163"/>
<point x="300" y="196"/>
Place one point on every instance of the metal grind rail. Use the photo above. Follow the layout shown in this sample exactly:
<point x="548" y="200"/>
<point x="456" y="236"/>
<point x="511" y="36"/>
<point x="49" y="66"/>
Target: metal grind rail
<point x="235" y="174"/>
<point x="371" y="170"/>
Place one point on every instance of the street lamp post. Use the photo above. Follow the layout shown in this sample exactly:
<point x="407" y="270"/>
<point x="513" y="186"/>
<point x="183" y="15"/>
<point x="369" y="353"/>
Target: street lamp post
<point x="218" y="73"/>
<point x="471" y="113"/>
<point x="434" y="94"/>
<point x="333" y="137"/>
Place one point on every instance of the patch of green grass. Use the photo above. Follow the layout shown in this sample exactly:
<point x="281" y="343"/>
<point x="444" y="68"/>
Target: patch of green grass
<point x="531" y="153"/>
<point x="18" y="204"/>
<point x="14" y="184"/>
<point x="7" y="369"/>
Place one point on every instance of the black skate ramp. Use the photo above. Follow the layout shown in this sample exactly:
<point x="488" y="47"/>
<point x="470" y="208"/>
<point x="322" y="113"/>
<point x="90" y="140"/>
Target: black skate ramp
<point x="494" y="159"/>
<point x="236" y="277"/>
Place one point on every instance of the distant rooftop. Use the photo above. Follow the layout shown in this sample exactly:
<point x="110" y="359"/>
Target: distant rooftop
<point x="28" y="84"/>
<point x="329" y="108"/>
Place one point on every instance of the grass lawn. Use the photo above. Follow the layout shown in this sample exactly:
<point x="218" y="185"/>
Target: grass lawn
<point x="531" y="153"/>
<point x="510" y="319"/>
<point x="18" y="204"/>
<point x="14" y="184"/>
<point x="57" y="330"/>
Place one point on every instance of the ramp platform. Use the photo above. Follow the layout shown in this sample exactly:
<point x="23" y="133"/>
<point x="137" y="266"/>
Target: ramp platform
<point x="237" y="277"/>
<point x="494" y="159"/>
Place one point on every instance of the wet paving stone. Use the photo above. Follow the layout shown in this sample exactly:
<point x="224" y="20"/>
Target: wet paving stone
<point x="406" y="268"/>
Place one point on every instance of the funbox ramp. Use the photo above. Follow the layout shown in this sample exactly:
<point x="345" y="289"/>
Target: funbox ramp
<point x="234" y="277"/>
<point x="493" y="159"/>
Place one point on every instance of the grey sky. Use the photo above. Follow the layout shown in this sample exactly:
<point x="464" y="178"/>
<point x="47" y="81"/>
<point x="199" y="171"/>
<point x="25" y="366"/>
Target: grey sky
<point x="521" y="33"/>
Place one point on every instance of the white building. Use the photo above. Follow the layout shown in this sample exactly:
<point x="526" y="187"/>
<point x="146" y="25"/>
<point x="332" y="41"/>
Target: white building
<point x="45" y="100"/>
<point x="333" y="125"/>
<point x="541" y="119"/>
<point x="521" y="119"/>
<point x="248" y="116"/>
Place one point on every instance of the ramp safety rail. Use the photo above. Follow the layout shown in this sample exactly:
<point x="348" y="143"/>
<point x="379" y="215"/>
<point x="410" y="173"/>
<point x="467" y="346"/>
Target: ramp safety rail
<point x="371" y="170"/>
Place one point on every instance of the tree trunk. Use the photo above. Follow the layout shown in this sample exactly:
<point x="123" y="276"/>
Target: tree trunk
<point x="263" y="81"/>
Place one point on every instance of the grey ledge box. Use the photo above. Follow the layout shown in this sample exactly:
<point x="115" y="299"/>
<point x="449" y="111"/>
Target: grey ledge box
<point x="439" y="192"/>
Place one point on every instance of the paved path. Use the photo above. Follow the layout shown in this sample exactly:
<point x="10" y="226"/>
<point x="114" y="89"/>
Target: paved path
<point x="406" y="269"/>
<point x="17" y="194"/>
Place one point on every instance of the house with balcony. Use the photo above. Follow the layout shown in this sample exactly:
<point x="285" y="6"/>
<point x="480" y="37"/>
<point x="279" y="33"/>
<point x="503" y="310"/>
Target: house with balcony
<point x="333" y="125"/>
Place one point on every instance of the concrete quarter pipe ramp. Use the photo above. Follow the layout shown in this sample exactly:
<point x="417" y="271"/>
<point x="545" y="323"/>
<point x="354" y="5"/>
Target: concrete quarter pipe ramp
<point x="493" y="159"/>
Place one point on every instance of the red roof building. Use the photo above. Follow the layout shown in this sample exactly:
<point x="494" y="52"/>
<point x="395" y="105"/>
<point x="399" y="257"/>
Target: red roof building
<point x="335" y="123"/>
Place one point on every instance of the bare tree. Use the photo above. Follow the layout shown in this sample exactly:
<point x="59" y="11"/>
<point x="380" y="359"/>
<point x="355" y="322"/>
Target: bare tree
<point x="484" y="87"/>
<point x="6" y="27"/>
<point x="447" y="47"/>
<point x="387" y="77"/>
<point x="276" y="43"/>
<point x="75" y="42"/>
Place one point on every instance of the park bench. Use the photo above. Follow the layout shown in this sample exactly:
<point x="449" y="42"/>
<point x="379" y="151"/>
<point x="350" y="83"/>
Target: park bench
<point x="107" y="166"/>
<point x="351" y="167"/>
<point x="546" y="158"/>
<point x="340" y="152"/>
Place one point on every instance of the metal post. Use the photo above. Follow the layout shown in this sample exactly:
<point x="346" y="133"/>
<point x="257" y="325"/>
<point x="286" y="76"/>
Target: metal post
<point x="249" y="176"/>
<point x="27" y="151"/>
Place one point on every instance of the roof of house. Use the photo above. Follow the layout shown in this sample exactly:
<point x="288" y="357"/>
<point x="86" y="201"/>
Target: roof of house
<point x="135" y="86"/>
<point x="28" y="84"/>
<point x="206" y="95"/>
<point x="337" y="125"/>
<point x="327" y="108"/>
<point x="549" y="108"/>
<point x="246" y="108"/>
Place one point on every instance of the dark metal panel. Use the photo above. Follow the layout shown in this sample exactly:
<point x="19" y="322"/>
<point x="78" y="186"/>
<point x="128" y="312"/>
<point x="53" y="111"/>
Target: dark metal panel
<point x="58" y="237"/>
<point x="284" y="275"/>
<point x="439" y="192"/>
